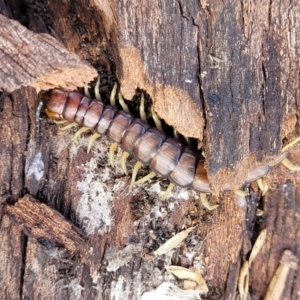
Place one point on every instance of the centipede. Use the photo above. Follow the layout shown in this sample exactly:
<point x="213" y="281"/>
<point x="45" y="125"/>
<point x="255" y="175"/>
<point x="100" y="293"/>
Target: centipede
<point x="166" y="157"/>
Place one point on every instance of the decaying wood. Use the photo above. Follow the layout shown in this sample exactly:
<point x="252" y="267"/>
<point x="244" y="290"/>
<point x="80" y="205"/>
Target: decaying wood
<point x="47" y="226"/>
<point x="37" y="60"/>
<point x="223" y="72"/>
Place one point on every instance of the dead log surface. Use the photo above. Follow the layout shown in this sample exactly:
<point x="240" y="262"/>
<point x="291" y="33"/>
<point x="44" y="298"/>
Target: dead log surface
<point x="224" y="67"/>
<point x="37" y="60"/>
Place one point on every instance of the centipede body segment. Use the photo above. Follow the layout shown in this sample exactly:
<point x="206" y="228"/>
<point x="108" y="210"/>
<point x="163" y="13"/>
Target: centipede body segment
<point x="165" y="156"/>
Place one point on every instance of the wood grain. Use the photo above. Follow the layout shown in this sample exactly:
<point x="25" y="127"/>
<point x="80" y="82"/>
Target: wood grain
<point x="37" y="60"/>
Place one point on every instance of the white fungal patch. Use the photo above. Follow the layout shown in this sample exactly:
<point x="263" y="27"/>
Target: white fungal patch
<point x="180" y="194"/>
<point x="94" y="207"/>
<point x="75" y="289"/>
<point x="120" y="289"/>
<point x="117" y="259"/>
<point x="36" y="168"/>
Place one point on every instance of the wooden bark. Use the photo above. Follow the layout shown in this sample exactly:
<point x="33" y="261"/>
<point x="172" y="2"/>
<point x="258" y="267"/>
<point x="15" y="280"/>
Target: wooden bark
<point x="226" y="73"/>
<point x="37" y="60"/>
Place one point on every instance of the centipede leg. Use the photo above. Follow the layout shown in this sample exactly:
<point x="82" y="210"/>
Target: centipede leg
<point x="91" y="140"/>
<point x="262" y="185"/>
<point x="97" y="89"/>
<point x="86" y="91"/>
<point x="69" y="126"/>
<point x="205" y="203"/>
<point x="136" y="168"/>
<point x="290" y="144"/>
<point x="124" y="157"/>
<point x="240" y="193"/>
<point x="78" y="133"/>
<point x="112" y="149"/>
<point x="288" y="164"/>
<point x="188" y="140"/>
<point x="113" y="93"/>
<point x="168" y="191"/>
<point x="175" y="134"/>
<point x="145" y="178"/>
<point x="60" y="122"/>
<point x="142" y="108"/>
<point x="156" y="119"/>
<point x="123" y="104"/>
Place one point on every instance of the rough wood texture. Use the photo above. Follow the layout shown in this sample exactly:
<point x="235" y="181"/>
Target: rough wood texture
<point x="37" y="60"/>
<point x="236" y="67"/>
<point x="47" y="226"/>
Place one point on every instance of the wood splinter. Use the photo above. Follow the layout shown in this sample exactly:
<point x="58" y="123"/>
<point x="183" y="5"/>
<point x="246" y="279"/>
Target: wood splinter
<point x="39" y="221"/>
<point x="288" y="262"/>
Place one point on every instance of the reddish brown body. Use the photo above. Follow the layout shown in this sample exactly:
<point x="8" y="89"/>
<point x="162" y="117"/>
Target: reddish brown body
<point x="165" y="156"/>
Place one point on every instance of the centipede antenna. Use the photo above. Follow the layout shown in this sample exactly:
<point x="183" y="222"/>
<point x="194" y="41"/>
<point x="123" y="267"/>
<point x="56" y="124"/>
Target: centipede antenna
<point x="97" y="89"/>
<point x="123" y="104"/>
<point x="142" y="108"/>
<point x="168" y="191"/>
<point x="124" y="157"/>
<point x="112" y="98"/>
<point x="112" y="149"/>
<point x="156" y="119"/>
<point x="91" y="140"/>
<point x="136" y="168"/>
<point x="205" y="203"/>
<point x="86" y="91"/>
<point x="78" y="133"/>
<point x="37" y="124"/>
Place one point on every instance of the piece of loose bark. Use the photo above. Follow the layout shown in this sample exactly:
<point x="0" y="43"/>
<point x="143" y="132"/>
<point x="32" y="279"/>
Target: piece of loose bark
<point x="38" y="60"/>
<point x="47" y="226"/>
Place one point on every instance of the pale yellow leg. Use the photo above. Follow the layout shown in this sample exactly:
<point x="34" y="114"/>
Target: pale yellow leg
<point x="142" y="108"/>
<point x="156" y="119"/>
<point x="60" y="122"/>
<point x="188" y="140"/>
<point x="145" y="178"/>
<point x="288" y="164"/>
<point x="168" y="191"/>
<point x="124" y="157"/>
<point x="97" y="89"/>
<point x="290" y="144"/>
<point x="113" y="93"/>
<point x="205" y="202"/>
<point x="122" y="103"/>
<point x="136" y="168"/>
<point x="91" y="140"/>
<point x="176" y="134"/>
<point x="86" y="91"/>
<point x="240" y="193"/>
<point x="262" y="185"/>
<point x="78" y="133"/>
<point x="113" y="147"/>
<point x="69" y="126"/>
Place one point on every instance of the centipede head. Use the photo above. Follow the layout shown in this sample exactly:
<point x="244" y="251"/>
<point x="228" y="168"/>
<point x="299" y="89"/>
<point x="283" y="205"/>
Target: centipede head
<point x="54" y="102"/>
